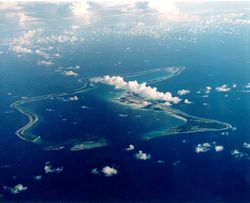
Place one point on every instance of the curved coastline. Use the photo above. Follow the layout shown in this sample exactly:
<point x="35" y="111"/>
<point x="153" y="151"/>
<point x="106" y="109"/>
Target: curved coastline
<point x="33" y="118"/>
<point x="190" y="123"/>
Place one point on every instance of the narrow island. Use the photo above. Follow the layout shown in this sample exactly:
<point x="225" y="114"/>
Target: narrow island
<point x="189" y="124"/>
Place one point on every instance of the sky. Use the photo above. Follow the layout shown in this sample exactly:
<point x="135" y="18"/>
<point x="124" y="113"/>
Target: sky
<point x="25" y="13"/>
<point x="34" y="28"/>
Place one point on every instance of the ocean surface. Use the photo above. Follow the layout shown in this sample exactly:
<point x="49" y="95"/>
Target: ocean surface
<point x="175" y="171"/>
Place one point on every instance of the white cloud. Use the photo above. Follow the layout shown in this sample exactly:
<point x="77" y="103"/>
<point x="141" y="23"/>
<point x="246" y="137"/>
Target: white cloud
<point x="69" y="68"/>
<point x="152" y="18"/>
<point x="246" y="145"/>
<point x="42" y="54"/>
<point x="234" y="128"/>
<point x="38" y="177"/>
<point x="16" y="189"/>
<point x="142" y="156"/>
<point x="95" y="171"/>
<point x="123" y="115"/>
<point x="75" y="27"/>
<point x="234" y="85"/>
<point x="208" y="90"/>
<point x="183" y="92"/>
<point x="248" y="85"/>
<point x="80" y="10"/>
<point x="130" y="148"/>
<point x="160" y="161"/>
<point x="237" y="154"/>
<point x="203" y="147"/>
<point x="208" y="146"/>
<point x="45" y="63"/>
<point x="22" y="44"/>
<point x="225" y="133"/>
<point x="84" y="107"/>
<point x="24" y="18"/>
<point x="74" y="98"/>
<point x="21" y="50"/>
<point x="14" y="12"/>
<point x="219" y="148"/>
<point x="70" y="73"/>
<point x="49" y="169"/>
<point x="168" y="11"/>
<point x="109" y="171"/>
<point x="66" y="38"/>
<point x="13" y="5"/>
<point x="143" y="90"/>
<point x="186" y="101"/>
<point x="223" y="88"/>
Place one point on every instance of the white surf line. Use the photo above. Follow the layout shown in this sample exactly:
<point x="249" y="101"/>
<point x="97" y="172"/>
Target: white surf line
<point x="21" y="132"/>
<point x="177" y="71"/>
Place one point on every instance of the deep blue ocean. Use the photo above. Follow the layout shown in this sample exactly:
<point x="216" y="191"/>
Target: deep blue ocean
<point x="183" y="174"/>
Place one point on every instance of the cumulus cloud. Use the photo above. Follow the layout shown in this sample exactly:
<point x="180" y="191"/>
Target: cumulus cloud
<point x="38" y="177"/>
<point x="234" y="128"/>
<point x="66" y="38"/>
<point x="24" y="18"/>
<point x="224" y="133"/>
<point x="208" y="89"/>
<point x="246" y="145"/>
<point x="70" y="73"/>
<point x="152" y="18"/>
<point x="203" y="147"/>
<point x="248" y="85"/>
<point x="70" y="67"/>
<point x="234" y="85"/>
<point x="123" y="115"/>
<point x="74" y="98"/>
<point x="95" y="171"/>
<point x="219" y="148"/>
<point x="21" y="50"/>
<point x="237" y="154"/>
<point x="170" y="12"/>
<point x="143" y="90"/>
<point x="186" y="101"/>
<point x="223" y="88"/>
<point x="49" y="169"/>
<point x="41" y="54"/>
<point x="130" y="148"/>
<point x="200" y="148"/>
<point x="16" y="189"/>
<point x="183" y="92"/>
<point x="80" y="9"/>
<point x="22" y="44"/>
<point x="16" y="12"/>
<point x="45" y="63"/>
<point x="75" y="27"/>
<point x="13" y="5"/>
<point x="142" y="156"/>
<point x="84" y="107"/>
<point x="109" y="171"/>
<point x="160" y="161"/>
<point x="42" y="44"/>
